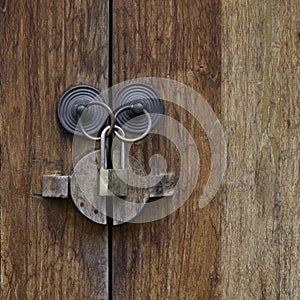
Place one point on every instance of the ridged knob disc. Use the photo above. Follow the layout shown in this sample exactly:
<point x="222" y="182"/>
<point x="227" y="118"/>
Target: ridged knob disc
<point x="138" y="93"/>
<point x="70" y="109"/>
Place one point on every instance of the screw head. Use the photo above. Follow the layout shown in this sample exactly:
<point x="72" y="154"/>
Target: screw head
<point x="80" y="108"/>
<point x="137" y="108"/>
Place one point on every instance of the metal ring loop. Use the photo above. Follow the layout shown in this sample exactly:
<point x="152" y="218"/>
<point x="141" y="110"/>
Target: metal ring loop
<point x="127" y="140"/>
<point x="111" y="115"/>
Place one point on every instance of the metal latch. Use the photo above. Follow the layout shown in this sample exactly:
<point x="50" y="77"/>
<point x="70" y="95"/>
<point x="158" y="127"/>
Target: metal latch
<point x="57" y="186"/>
<point x="92" y="186"/>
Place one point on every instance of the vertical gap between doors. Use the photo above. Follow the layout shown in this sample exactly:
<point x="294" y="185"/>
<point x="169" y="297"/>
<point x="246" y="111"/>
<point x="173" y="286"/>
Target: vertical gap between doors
<point x="109" y="162"/>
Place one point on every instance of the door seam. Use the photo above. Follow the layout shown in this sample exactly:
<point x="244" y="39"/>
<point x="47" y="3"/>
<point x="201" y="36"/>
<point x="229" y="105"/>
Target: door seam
<point x="109" y="205"/>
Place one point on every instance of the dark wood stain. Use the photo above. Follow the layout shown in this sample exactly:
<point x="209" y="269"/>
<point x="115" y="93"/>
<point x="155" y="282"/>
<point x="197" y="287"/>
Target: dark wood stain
<point x="3" y="4"/>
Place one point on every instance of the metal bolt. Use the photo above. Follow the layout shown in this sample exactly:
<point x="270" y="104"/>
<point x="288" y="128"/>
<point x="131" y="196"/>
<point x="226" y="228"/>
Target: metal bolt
<point x="80" y="108"/>
<point x="137" y="108"/>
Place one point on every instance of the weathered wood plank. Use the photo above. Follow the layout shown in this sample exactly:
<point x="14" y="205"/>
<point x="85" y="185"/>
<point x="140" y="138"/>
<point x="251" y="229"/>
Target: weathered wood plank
<point x="177" y="257"/>
<point x="48" y="250"/>
<point x="260" y="114"/>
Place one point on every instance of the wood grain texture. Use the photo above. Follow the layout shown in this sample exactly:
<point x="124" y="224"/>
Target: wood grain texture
<point x="260" y="114"/>
<point x="48" y="249"/>
<point x="177" y="257"/>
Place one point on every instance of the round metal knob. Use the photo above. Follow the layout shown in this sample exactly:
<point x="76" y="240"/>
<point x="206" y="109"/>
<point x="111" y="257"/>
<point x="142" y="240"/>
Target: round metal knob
<point x="73" y="105"/>
<point x="139" y="96"/>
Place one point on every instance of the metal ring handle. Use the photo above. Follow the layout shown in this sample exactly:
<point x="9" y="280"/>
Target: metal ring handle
<point x="127" y="140"/>
<point x="111" y="115"/>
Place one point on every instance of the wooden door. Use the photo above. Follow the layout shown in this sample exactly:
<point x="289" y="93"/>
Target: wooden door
<point x="243" y="57"/>
<point x="260" y="116"/>
<point x="177" y="257"/>
<point x="48" y="249"/>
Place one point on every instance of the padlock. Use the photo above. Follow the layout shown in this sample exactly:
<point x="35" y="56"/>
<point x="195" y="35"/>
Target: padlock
<point x="112" y="182"/>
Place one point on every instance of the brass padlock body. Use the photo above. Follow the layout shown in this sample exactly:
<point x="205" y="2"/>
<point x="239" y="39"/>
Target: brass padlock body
<point x="113" y="182"/>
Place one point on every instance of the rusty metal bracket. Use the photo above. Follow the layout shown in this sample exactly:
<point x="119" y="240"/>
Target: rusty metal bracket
<point x="57" y="186"/>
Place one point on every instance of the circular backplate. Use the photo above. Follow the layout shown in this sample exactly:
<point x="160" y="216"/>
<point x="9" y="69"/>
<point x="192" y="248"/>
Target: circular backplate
<point x="84" y="191"/>
<point x="93" y="118"/>
<point x="138" y="93"/>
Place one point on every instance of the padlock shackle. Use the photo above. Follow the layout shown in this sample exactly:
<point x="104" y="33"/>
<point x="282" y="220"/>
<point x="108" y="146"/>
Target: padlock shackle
<point x="103" y="161"/>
